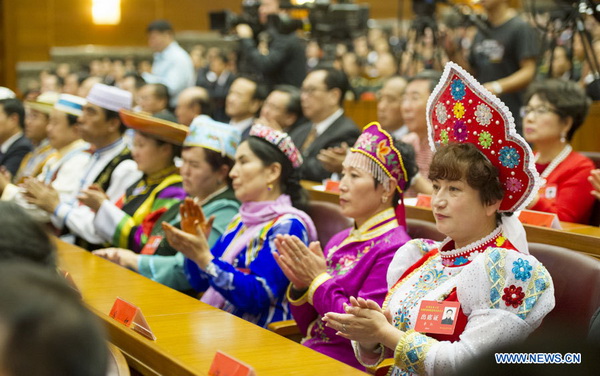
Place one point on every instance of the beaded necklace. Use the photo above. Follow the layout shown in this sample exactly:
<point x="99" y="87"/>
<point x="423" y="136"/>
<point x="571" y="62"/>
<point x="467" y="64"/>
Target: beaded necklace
<point x="464" y="255"/>
<point x="555" y="162"/>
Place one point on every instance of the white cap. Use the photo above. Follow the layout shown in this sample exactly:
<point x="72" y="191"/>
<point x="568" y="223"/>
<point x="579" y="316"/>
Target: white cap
<point x="70" y="104"/>
<point x="6" y="93"/>
<point x="110" y="97"/>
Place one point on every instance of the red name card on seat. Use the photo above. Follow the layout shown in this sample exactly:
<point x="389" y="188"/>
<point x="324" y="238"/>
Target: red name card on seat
<point x="423" y="201"/>
<point x="332" y="186"/>
<point x="537" y="218"/>
<point x="225" y="365"/>
<point x="132" y="317"/>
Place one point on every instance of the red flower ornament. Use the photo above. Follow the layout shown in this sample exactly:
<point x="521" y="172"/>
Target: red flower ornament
<point x="513" y="296"/>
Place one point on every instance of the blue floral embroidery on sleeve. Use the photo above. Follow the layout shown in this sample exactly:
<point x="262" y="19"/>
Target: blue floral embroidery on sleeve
<point x="539" y="283"/>
<point x="521" y="269"/>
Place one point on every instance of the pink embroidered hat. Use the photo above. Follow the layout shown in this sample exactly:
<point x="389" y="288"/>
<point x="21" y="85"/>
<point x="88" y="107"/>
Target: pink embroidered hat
<point x="375" y="153"/>
<point x="281" y="140"/>
<point x="461" y="110"/>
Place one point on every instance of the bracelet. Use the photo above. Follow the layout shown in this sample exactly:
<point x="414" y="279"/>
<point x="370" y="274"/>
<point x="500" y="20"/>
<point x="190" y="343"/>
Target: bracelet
<point x="496" y="87"/>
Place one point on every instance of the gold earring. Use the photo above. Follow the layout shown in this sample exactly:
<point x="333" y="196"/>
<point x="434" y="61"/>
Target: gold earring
<point x="269" y="187"/>
<point x="383" y="199"/>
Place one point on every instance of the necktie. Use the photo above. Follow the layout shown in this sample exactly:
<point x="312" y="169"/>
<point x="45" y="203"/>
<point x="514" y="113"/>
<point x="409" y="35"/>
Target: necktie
<point x="309" y="139"/>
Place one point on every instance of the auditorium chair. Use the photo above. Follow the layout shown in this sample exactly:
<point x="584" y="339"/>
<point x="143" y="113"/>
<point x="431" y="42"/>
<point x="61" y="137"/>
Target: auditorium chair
<point x="576" y="280"/>
<point x="117" y="365"/>
<point x="593" y="155"/>
<point x="420" y="229"/>
<point x="595" y="217"/>
<point x="328" y="220"/>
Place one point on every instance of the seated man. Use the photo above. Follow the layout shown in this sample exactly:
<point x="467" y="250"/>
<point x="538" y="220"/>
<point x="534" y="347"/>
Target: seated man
<point x="45" y="330"/>
<point x="13" y="144"/>
<point x="322" y="97"/>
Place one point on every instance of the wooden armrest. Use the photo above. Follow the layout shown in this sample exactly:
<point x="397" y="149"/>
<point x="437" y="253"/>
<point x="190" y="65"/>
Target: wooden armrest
<point x="284" y="328"/>
<point x="381" y="369"/>
<point x="287" y="329"/>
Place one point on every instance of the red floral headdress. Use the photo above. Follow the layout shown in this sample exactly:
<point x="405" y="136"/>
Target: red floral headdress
<point x="461" y="110"/>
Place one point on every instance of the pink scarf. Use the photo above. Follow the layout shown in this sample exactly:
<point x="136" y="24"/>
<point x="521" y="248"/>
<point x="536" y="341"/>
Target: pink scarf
<point x="255" y="215"/>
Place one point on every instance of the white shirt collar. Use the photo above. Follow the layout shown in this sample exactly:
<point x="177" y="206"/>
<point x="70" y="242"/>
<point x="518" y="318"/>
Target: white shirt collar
<point x="242" y="125"/>
<point x="9" y="142"/>
<point x="322" y="126"/>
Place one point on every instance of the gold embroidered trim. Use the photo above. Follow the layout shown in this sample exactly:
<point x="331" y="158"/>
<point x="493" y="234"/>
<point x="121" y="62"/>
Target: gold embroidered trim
<point x="314" y="285"/>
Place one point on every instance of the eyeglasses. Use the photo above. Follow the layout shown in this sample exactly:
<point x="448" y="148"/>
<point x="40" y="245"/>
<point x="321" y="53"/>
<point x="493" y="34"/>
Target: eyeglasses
<point x="537" y="111"/>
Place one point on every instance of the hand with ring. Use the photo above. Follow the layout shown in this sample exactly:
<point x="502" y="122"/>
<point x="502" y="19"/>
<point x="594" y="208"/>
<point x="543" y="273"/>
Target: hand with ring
<point x="300" y="264"/>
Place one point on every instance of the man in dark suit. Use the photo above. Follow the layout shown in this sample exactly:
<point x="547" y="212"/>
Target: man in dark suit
<point x="322" y="97"/>
<point x="448" y="317"/>
<point x="243" y="102"/>
<point x="13" y="144"/>
<point x="217" y="80"/>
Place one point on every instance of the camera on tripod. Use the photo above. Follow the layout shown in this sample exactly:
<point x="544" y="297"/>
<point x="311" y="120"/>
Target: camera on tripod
<point x="225" y="21"/>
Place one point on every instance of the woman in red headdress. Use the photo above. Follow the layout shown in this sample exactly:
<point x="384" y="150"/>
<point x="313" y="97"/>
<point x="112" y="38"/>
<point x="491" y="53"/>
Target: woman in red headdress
<point x="482" y="171"/>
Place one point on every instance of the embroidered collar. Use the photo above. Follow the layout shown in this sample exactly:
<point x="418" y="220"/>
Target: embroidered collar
<point x="462" y="256"/>
<point x="213" y="195"/>
<point x="375" y="226"/>
<point x="159" y="176"/>
<point x="105" y="149"/>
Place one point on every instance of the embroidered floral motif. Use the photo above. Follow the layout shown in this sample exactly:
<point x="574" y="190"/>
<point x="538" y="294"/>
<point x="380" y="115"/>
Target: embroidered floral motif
<point x="460" y="131"/>
<point x="444" y="137"/>
<point x="513" y="184"/>
<point x="485" y="139"/>
<point x="366" y="141"/>
<point x="459" y="110"/>
<point x="483" y="114"/>
<point x="500" y="241"/>
<point x="539" y="283"/>
<point x="461" y="260"/>
<point x="458" y="89"/>
<point x="509" y="157"/>
<point x="513" y="296"/>
<point x="382" y="151"/>
<point x="318" y="331"/>
<point x="521" y="269"/>
<point x="430" y="278"/>
<point x="441" y="113"/>
<point x="347" y="262"/>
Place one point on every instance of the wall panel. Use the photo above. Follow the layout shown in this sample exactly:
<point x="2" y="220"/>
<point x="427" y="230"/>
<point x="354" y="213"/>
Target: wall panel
<point x="37" y="25"/>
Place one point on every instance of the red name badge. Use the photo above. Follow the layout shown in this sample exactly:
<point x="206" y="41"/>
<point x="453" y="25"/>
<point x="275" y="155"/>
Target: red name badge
<point x="151" y="245"/>
<point x="437" y="317"/>
<point x="423" y="201"/>
<point x="225" y="365"/>
<point x="132" y="317"/>
<point x="536" y="218"/>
